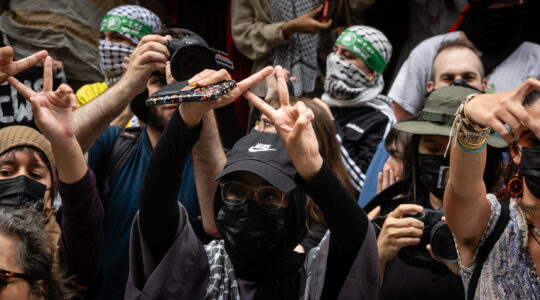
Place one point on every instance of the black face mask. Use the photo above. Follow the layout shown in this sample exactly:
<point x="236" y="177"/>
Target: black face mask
<point x="530" y="169"/>
<point x="251" y="232"/>
<point x="434" y="173"/>
<point x="492" y="29"/>
<point x="21" y="190"/>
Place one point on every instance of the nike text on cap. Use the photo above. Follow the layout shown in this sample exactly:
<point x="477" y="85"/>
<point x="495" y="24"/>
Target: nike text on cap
<point x="263" y="154"/>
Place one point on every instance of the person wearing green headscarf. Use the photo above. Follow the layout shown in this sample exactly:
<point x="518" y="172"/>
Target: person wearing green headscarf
<point x="352" y="90"/>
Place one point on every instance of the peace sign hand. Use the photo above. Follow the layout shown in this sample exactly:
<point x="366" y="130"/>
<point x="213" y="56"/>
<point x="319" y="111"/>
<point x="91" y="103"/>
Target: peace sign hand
<point x="8" y="67"/>
<point x="52" y="110"/>
<point x="293" y="124"/>
<point x="506" y="108"/>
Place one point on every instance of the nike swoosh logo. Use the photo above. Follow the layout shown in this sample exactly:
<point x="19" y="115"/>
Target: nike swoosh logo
<point x="254" y="149"/>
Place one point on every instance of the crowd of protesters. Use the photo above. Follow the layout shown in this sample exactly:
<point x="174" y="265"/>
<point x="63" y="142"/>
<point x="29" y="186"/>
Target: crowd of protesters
<point x="335" y="191"/>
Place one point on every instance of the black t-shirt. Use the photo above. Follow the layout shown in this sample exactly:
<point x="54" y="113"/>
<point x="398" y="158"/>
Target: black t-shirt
<point x="403" y="281"/>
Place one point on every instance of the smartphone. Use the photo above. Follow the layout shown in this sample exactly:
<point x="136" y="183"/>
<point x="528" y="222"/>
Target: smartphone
<point x="179" y="92"/>
<point x="324" y="13"/>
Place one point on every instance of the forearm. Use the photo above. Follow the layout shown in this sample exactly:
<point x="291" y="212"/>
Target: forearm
<point x="158" y="215"/>
<point x="81" y="244"/>
<point x="348" y="226"/>
<point x="123" y="118"/>
<point x="208" y="161"/>
<point x="70" y="163"/>
<point x="465" y="205"/>
<point x="93" y="118"/>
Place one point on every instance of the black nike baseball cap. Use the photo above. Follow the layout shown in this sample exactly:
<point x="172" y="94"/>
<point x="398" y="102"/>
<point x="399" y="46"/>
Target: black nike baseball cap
<point x="263" y="154"/>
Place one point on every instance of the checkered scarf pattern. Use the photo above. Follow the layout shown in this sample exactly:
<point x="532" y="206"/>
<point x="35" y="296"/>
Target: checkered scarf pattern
<point x="347" y="86"/>
<point x="300" y="55"/>
<point x="377" y="39"/>
<point x="112" y="56"/>
<point x="138" y="13"/>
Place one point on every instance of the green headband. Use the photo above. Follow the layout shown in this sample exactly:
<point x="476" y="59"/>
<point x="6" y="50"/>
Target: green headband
<point x="363" y="49"/>
<point x="124" y="25"/>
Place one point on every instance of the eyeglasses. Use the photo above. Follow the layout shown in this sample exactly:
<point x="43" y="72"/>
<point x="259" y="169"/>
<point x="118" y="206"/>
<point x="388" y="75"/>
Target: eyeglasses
<point x="267" y="197"/>
<point x="528" y="139"/>
<point x="7" y="276"/>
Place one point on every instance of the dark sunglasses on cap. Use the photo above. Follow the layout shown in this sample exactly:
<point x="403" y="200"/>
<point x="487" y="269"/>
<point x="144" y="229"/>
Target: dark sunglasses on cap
<point x="7" y="276"/>
<point x="528" y="139"/>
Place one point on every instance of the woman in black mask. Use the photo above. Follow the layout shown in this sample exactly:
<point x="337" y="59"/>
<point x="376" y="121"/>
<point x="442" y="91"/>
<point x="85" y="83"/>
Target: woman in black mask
<point x="498" y="239"/>
<point x="261" y="218"/>
<point x="423" y="188"/>
<point x="32" y="166"/>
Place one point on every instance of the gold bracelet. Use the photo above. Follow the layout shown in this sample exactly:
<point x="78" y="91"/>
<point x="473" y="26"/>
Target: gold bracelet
<point x="464" y="112"/>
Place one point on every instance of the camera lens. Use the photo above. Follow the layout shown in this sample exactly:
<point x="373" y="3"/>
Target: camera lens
<point x="442" y="242"/>
<point x="189" y="61"/>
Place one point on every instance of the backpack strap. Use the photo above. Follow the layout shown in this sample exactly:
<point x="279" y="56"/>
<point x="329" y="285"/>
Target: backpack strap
<point x="123" y="146"/>
<point x="485" y="249"/>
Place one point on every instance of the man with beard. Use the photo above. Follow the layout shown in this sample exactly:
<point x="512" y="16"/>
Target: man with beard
<point x="493" y="26"/>
<point x="119" y="189"/>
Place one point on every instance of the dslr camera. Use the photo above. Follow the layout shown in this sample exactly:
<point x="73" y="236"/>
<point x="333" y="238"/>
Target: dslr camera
<point x="191" y="54"/>
<point x="436" y="233"/>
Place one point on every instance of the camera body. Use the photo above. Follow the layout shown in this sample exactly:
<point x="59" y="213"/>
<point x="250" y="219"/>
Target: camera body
<point x="190" y="55"/>
<point x="436" y="233"/>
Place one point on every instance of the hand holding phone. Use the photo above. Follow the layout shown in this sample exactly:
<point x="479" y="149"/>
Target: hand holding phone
<point x="179" y="92"/>
<point x="324" y="13"/>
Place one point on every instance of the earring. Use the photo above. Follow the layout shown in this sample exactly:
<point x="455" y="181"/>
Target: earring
<point x="515" y="186"/>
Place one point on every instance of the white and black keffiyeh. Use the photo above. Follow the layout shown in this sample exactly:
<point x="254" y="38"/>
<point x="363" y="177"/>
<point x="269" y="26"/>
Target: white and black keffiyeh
<point x="112" y="54"/>
<point x="222" y="282"/>
<point x="299" y="56"/>
<point x="347" y="86"/>
<point x="138" y="13"/>
<point x="111" y="58"/>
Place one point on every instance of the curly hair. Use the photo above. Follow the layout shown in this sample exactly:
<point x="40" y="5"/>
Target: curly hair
<point x="35" y="253"/>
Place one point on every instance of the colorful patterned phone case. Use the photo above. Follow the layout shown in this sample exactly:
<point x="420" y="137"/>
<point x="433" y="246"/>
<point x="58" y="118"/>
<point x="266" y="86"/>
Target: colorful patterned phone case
<point x="179" y="92"/>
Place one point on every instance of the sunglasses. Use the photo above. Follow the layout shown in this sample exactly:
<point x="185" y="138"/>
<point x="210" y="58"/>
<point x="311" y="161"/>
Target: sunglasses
<point x="528" y="139"/>
<point x="7" y="276"/>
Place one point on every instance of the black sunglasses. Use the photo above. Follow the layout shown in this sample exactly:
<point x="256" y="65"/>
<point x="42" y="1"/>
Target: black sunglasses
<point x="7" y="276"/>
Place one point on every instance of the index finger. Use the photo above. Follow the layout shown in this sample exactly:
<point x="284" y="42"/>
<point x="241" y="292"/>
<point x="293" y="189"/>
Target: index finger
<point x="523" y="90"/>
<point x="29" y="61"/>
<point x="152" y="38"/>
<point x="252" y="80"/>
<point x="404" y="209"/>
<point x="25" y="91"/>
<point x="260" y="104"/>
<point x="283" y="90"/>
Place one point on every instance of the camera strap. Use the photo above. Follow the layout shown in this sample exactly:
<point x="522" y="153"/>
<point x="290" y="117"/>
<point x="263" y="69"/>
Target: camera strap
<point x="485" y="249"/>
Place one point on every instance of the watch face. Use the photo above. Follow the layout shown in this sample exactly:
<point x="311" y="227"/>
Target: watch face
<point x="179" y="92"/>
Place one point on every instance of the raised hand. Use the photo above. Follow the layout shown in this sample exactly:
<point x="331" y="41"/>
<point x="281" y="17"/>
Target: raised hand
<point x="293" y="124"/>
<point x="192" y="112"/>
<point x="8" y="67"/>
<point x="150" y="55"/>
<point x="506" y="108"/>
<point x="306" y="24"/>
<point x="52" y="110"/>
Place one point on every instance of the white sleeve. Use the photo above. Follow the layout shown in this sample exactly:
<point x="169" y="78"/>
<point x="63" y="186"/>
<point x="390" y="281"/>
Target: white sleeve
<point x="410" y="86"/>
